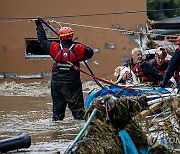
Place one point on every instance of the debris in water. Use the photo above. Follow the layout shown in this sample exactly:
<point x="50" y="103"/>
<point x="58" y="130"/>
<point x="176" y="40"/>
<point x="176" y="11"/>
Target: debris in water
<point x="115" y="114"/>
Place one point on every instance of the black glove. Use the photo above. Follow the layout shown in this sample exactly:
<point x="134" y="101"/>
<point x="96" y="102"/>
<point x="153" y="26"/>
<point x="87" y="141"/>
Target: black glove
<point x="38" y="21"/>
<point x="162" y="85"/>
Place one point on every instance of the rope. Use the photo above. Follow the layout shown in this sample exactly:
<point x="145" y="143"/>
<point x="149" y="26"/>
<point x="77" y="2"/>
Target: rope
<point x="100" y="79"/>
<point x="95" y="27"/>
<point x="124" y="31"/>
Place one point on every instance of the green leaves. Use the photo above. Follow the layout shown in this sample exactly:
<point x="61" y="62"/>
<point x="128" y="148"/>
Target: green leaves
<point x="161" y="6"/>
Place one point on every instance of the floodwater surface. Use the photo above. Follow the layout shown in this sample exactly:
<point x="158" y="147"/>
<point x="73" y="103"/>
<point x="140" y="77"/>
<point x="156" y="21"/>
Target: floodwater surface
<point x="26" y="108"/>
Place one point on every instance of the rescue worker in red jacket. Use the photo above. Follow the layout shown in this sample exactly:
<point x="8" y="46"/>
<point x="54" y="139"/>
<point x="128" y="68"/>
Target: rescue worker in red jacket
<point x="144" y="71"/>
<point x="66" y="86"/>
<point x="159" y="61"/>
<point x="173" y="67"/>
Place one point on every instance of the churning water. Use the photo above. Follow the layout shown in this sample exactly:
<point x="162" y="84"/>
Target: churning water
<point x="26" y="108"/>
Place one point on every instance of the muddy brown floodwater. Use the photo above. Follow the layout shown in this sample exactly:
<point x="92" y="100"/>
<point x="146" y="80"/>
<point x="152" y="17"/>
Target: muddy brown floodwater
<point x="26" y="108"/>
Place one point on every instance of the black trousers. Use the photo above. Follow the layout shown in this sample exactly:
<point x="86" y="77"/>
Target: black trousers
<point x="67" y="93"/>
<point x="178" y="86"/>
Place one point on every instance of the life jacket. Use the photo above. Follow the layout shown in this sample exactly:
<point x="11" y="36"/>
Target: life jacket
<point x="162" y="68"/>
<point x="62" y="55"/>
<point x="138" y="71"/>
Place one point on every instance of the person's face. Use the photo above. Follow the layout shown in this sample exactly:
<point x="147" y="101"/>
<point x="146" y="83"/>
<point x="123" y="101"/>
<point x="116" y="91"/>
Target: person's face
<point x="159" y="59"/>
<point x="137" y="56"/>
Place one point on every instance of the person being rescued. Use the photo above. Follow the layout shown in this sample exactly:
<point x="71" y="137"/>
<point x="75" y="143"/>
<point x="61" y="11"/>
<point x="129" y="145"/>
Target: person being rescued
<point x="144" y="71"/>
<point x="159" y="61"/>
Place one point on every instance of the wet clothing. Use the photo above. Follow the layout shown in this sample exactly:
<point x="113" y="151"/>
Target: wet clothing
<point x="174" y="65"/>
<point x="177" y="75"/>
<point x="144" y="71"/>
<point x="66" y="86"/>
<point x="162" y="68"/>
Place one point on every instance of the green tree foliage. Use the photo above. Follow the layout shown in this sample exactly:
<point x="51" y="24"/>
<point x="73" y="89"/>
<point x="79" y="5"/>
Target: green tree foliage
<point x="160" y="5"/>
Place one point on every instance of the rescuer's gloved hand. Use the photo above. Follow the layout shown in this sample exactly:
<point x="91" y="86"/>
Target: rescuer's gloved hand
<point x="79" y="50"/>
<point x="38" y="20"/>
<point x="162" y="84"/>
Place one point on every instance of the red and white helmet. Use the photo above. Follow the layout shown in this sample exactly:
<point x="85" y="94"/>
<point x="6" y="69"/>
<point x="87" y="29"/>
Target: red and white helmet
<point x="66" y="33"/>
<point x="161" y="52"/>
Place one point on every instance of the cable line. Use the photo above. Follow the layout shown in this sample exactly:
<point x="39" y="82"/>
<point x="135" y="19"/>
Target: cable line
<point x="90" y="15"/>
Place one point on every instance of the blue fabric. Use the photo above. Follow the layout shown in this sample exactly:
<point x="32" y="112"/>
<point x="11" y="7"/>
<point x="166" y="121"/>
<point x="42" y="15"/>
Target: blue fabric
<point x="128" y="145"/>
<point x="153" y="89"/>
<point x="143" y="150"/>
<point x="117" y="91"/>
<point x="114" y="90"/>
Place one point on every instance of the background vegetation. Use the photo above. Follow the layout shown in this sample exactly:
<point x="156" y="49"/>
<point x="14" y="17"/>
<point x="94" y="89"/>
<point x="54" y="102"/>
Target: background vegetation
<point x="161" y="6"/>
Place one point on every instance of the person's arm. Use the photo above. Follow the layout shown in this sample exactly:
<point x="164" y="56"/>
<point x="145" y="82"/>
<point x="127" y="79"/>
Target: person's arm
<point x="82" y="52"/>
<point x="42" y="39"/>
<point x="151" y="70"/>
<point x="172" y="67"/>
<point x="88" y="53"/>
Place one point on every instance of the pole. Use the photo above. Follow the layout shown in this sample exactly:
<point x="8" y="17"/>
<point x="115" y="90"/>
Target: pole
<point x="50" y="27"/>
<point x="68" y="151"/>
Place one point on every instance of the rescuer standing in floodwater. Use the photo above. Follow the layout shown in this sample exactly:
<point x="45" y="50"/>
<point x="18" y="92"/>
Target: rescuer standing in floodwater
<point x="66" y="86"/>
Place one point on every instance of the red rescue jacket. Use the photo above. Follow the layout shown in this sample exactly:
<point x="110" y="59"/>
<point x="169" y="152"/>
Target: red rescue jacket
<point x="141" y="76"/>
<point x="162" y="68"/>
<point x="62" y="55"/>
